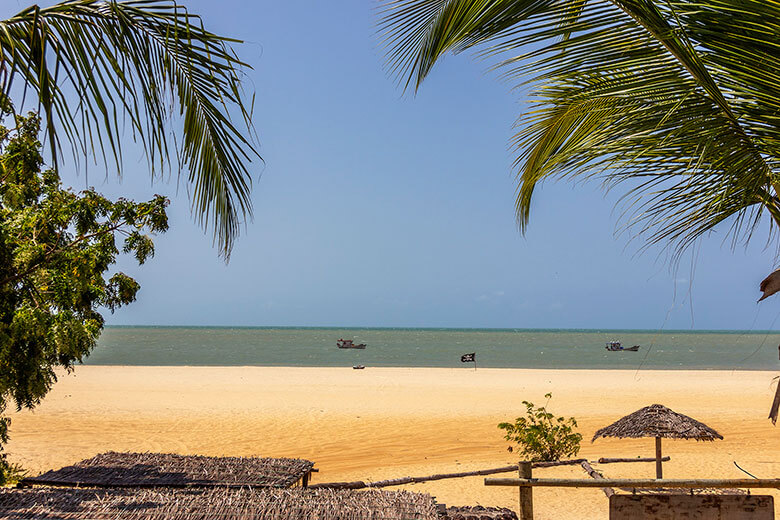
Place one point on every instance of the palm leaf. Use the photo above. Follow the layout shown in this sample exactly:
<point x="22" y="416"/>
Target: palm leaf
<point x="677" y="99"/>
<point x="96" y="67"/>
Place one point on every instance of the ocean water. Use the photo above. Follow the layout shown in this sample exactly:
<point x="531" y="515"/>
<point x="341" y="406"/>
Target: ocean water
<point x="501" y="348"/>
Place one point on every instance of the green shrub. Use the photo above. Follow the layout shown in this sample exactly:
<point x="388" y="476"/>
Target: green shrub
<point x="10" y="473"/>
<point x="542" y="436"/>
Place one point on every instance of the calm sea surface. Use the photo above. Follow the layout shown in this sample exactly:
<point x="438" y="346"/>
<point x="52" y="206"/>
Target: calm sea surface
<point x="504" y="348"/>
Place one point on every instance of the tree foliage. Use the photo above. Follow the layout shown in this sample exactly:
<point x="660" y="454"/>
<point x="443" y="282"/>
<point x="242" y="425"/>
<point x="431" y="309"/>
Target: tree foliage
<point x="56" y="248"/>
<point x="676" y="99"/>
<point x="97" y="67"/>
<point x="542" y="436"/>
<point x="10" y="472"/>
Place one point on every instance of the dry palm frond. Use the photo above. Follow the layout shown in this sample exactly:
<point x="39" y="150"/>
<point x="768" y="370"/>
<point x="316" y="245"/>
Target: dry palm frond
<point x="770" y="285"/>
<point x="775" y="404"/>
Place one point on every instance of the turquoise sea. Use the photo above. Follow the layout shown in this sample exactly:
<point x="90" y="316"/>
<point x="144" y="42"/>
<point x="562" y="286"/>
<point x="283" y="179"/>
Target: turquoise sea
<point x="504" y="348"/>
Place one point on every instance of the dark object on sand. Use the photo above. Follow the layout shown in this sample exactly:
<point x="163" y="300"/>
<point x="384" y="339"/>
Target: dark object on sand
<point x="615" y="346"/>
<point x="658" y="421"/>
<point x="348" y="343"/>
<point x="359" y="367"/>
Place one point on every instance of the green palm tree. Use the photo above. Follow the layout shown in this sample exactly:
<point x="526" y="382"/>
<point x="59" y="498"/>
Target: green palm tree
<point x="97" y="68"/>
<point x="676" y="100"/>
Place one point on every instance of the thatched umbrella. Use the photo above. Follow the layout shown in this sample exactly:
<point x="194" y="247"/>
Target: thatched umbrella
<point x="658" y="421"/>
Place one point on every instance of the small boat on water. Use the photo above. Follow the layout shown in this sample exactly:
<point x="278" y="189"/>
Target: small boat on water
<point x="348" y="343"/>
<point x="616" y="346"/>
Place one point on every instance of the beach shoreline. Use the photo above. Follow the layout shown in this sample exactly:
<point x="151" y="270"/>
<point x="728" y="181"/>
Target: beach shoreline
<point x="382" y="423"/>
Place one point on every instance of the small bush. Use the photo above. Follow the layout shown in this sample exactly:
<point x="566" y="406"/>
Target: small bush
<point x="540" y="436"/>
<point x="10" y="473"/>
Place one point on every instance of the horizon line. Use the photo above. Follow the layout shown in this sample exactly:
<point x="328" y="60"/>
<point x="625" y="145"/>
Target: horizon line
<point x="459" y="329"/>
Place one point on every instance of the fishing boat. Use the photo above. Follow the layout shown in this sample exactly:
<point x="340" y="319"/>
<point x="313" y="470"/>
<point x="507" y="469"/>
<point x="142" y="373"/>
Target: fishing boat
<point x="616" y="346"/>
<point x="359" y="367"/>
<point x="348" y="343"/>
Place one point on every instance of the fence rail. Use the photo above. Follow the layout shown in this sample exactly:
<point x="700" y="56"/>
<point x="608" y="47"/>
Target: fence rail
<point x="526" y="483"/>
<point x="646" y="483"/>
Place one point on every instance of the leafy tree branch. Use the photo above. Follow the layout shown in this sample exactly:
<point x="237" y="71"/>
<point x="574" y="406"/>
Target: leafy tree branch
<point x="56" y="250"/>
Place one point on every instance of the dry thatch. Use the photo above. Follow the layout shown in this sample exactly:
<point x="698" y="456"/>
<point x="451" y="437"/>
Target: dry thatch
<point x="114" y="469"/>
<point x="213" y="504"/>
<point x="658" y="421"/>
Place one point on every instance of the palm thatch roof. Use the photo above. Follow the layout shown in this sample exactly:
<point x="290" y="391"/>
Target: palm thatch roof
<point x="214" y="503"/>
<point x="114" y="469"/>
<point x="658" y="421"/>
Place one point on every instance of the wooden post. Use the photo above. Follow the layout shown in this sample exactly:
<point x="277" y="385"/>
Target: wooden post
<point x="526" y="493"/>
<point x="306" y="477"/>
<point x="659" y="472"/>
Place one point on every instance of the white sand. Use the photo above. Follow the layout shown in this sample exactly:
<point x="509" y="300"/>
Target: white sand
<point x="381" y="423"/>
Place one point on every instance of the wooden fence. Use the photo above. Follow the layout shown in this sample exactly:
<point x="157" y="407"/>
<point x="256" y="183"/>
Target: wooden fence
<point x="360" y="484"/>
<point x="526" y="483"/>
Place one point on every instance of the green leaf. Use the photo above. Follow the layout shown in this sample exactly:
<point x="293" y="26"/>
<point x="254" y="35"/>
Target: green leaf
<point x="137" y="63"/>
<point x="676" y="101"/>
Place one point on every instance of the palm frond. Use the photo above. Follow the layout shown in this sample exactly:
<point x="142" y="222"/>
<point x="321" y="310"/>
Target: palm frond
<point x="96" y="66"/>
<point x="678" y="99"/>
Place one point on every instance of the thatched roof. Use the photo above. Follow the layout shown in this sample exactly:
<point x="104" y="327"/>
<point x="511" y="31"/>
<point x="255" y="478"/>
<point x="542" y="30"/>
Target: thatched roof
<point x="114" y="469"/>
<point x="658" y="421"/>
<point x="213" y="503"/>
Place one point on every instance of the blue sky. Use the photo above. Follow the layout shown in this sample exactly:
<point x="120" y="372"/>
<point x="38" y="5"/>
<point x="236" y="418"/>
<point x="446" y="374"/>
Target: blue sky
<point x="375" y="208"/>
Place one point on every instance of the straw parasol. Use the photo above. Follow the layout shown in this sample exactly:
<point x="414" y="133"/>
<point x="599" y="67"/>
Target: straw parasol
<point x="658" y="421"/>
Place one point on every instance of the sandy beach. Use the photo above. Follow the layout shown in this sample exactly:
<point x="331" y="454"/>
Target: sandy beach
<point x="382" y="423"/>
